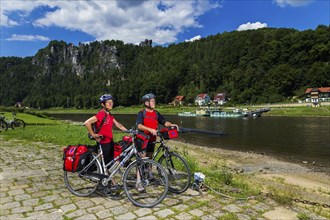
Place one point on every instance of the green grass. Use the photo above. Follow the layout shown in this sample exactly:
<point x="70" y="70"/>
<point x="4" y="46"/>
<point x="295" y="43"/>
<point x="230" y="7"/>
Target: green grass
<point x="31" y="119"/>
<point x="300" y="111"/>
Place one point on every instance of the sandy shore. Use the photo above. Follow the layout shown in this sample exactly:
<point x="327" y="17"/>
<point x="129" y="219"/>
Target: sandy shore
<point x="300" y="179"/>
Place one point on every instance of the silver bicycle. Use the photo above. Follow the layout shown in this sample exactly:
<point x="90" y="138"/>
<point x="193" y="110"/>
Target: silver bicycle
<point x="147" y="172"/>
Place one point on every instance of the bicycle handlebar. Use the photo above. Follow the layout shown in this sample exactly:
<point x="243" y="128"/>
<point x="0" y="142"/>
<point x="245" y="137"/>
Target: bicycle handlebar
<point x="132" y="131"/>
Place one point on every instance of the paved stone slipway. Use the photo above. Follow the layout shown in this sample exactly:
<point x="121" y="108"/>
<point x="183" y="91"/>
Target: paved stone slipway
<point x="32" y="187"/>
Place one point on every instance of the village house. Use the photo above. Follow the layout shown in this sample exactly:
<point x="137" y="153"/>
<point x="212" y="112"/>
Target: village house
<point x="178" y="100"/>
<point x="220" y="99"/>
<point x="317" y="95"/>
<point x="202" y="99"/>
<point x="18" y="104"/>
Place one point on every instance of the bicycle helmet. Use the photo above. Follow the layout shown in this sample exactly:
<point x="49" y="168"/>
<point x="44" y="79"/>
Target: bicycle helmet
<point x="147" y="97"/>
<point x="105" y="97"/>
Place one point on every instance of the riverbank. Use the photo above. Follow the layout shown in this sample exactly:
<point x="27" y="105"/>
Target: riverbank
<point x="265" y="172"/>
<point x="295" y="110"/>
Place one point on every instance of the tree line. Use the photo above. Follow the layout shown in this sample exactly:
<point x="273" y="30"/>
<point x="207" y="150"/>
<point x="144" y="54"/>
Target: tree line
<point x="255" y="66"/>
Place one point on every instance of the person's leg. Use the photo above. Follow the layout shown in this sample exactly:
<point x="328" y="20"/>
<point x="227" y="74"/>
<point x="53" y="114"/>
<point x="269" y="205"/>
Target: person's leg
<point x="150" y="150"/>
<point x="106" y="152"/>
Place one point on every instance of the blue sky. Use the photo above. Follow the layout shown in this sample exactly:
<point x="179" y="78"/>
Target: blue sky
<point x="27" y="26"/>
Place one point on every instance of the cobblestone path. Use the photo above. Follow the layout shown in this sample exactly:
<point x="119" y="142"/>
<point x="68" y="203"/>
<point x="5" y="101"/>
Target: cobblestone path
<point x="32" y="187"/>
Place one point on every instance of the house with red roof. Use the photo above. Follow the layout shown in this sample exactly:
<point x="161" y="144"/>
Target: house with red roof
<point x="317" y="95"/>
<point x="220" y="99"/>
<point x="202" y="99"/>
<point x="178" y="100"/>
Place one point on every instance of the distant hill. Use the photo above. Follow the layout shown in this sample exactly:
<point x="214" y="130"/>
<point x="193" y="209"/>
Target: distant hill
<point x="256" y="66"/>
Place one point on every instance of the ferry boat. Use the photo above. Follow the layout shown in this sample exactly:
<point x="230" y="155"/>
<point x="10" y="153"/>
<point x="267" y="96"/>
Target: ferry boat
<point x="187" y="114"/>
<point x="223" y="114"/>
<point x="202" y="112"/>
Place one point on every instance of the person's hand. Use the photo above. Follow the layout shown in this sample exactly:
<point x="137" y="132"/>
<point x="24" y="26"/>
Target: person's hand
<point x="97" y="137"/>
<point x="175" y="125"/>
<point x="153" y="131"/>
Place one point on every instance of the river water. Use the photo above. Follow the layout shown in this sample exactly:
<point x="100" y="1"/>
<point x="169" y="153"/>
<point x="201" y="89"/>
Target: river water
<point x="294" y="139"/>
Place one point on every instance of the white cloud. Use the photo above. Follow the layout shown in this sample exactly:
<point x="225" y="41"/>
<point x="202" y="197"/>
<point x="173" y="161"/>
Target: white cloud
<point x="5" y="21"/>
<point x="16" y="37"/>
<point x="8" y="6"/>
<point x="129" y="21"/>
<point x="293" y="3"/>
<point x="198" y="37"/>
<point x="250" y="26"/>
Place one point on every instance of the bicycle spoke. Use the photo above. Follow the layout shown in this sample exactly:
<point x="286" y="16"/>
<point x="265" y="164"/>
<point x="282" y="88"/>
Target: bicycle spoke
<point x="153" y="180"/>
<point x="84" y="183"/>
<point x="178" y="172"/>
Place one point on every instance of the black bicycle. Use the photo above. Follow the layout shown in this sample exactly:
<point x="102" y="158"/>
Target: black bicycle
<point x="13" y="123"/>
<point x="178" y="172"/>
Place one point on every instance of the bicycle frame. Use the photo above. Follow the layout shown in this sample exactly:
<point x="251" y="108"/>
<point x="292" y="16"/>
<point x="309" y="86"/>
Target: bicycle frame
<point x="111" y="169"/>
<point x="162" y="147"/>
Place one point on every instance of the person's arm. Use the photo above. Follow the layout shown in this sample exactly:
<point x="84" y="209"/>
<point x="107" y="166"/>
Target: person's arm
<point x="145" y="128"/>
<point x="118" y="125"/>
<point x="88" y="124"/>
<point x="162" y="120"/>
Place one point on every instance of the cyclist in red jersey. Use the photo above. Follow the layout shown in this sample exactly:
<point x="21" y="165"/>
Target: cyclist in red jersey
<point x="104" y="136"/>
<point x="104" y="122"/>
<point x="148" y="120"/>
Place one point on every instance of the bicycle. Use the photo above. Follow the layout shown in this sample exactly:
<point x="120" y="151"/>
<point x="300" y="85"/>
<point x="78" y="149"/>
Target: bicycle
<point x="177" y="169"/>
<point x="13" y="123"/>
<point x="96" y="172"/>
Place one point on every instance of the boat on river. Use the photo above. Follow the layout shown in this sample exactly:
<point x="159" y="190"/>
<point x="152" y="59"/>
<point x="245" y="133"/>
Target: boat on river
<point x="255" y="113"/>
<point x="223" y="114"/>
<point x="187" y="114"/>
<point x="216" y="112"/>
<point x="202" y="112"/>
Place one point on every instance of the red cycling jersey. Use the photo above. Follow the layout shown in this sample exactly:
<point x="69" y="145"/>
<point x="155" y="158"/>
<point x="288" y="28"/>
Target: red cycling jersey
<point x="106" y="129"/>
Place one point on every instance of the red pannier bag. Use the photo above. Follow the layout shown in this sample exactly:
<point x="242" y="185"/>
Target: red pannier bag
<point x="127" y="139"/>
<point x="141" y="141"/>
<point x="118" y="149"/>
<point x="75" y="157"/>
<point x="169" y="133"/>
<point x="122" y="145"/>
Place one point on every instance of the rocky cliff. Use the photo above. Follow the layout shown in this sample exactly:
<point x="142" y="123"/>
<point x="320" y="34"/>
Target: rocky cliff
<point x="81" y="59"/>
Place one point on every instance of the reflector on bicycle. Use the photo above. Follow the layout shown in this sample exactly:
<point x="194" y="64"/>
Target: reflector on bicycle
<point x="169" y="133"/>
<point x="74" y="157"/>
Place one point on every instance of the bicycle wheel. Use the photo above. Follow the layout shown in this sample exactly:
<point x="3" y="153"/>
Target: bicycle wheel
<point x="177" y="170"/>
<point x="17" y="123"/>
<point x="3" y="126"/>
<point x="153" y="179"/>
<point x="85" y="182"/>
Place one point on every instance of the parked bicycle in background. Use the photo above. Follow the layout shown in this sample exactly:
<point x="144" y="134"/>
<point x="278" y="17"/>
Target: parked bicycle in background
<point x="13" y="123"/>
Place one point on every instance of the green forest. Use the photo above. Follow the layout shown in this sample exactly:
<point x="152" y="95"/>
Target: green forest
<point x="256" y="66"/>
